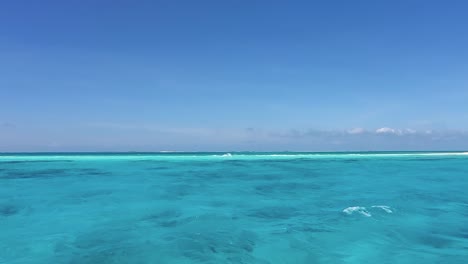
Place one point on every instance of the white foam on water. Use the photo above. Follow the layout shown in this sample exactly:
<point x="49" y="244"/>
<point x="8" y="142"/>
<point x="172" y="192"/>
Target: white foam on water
<point x="240" y="156"/>
<point x="383" y="207"/>
<point x="359" y="209"/>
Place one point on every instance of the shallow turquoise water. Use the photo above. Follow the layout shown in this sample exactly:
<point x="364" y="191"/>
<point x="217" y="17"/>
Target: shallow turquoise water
<point x="239" y="208"/>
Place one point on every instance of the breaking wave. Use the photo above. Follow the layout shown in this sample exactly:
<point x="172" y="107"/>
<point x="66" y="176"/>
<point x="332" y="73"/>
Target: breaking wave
<point x="365" y="212"/>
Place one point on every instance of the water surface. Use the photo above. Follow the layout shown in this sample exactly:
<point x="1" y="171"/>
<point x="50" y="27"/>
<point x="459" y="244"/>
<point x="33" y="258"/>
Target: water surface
<point x="237" y="208"/>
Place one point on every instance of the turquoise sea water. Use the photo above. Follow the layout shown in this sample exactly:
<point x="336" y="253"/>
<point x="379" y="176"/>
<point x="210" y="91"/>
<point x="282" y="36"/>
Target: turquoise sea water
<point x="239" y="208"/>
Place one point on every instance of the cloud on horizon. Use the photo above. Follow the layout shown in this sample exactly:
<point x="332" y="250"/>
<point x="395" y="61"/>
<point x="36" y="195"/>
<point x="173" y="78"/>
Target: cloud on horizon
<point x="389" y="130"/>
<point x="153" y="137"/>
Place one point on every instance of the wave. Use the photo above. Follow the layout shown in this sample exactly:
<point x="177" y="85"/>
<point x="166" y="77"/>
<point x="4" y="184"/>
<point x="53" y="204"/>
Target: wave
<point x="365" y="212"/>
<point x="357" y="209"/>
<point x="383" y="207"/>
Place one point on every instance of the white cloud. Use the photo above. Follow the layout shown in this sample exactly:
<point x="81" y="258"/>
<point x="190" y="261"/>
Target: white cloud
<point x="400" y="132"/>
<point x="386" y="130"/>
<point x="357" y="130"/>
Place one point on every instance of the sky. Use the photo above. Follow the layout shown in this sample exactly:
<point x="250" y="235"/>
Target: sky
<point x="233" y="75"/>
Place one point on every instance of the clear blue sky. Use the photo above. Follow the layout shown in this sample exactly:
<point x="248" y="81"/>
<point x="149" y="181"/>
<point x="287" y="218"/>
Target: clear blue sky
<point x="233" y="75"/>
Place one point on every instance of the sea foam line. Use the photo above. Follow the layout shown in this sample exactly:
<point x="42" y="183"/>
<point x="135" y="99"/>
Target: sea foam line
<point x="201" y="156"/>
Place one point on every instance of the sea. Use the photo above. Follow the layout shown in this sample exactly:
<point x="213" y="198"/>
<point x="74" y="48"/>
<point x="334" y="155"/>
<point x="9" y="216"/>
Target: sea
<point x="238" y="207"/>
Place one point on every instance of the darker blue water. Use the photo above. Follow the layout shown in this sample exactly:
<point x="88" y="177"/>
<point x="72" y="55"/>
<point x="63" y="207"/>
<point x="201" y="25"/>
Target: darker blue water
<point x="239" y="208"/>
